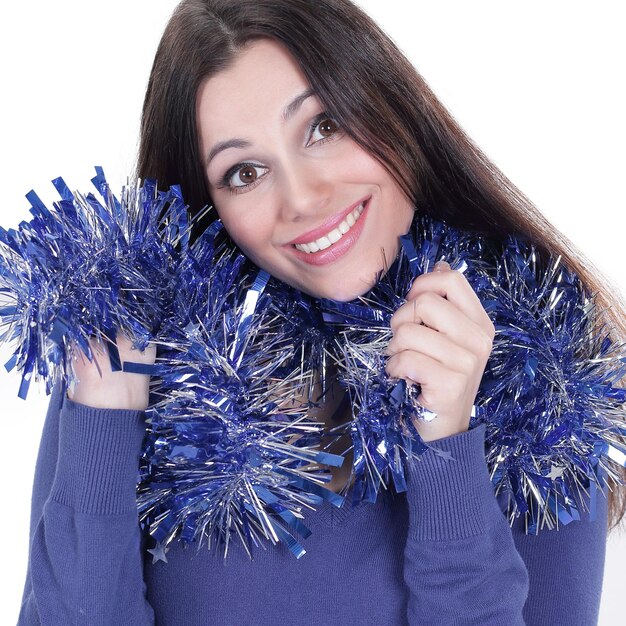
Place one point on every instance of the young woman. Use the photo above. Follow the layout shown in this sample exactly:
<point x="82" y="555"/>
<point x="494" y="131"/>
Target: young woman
<point x="289" y="116"/>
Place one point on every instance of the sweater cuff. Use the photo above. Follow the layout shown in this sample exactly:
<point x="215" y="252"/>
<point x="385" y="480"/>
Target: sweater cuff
<point x="98" y="463"/>
<point x="450" y="495"/>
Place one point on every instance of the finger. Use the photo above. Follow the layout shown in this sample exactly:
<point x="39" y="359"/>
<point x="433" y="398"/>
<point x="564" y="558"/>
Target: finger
<point x="414" y="368"/>
<point x="453" y="286"/>
<point x="433" y="378"/>
<point x="442" y="315"/>
<point x="85" y="368"/>
<point x="433" y="344"/>
<point x="89" y="352"/>
<point x="100" y="364"/>
<point x="129" y="353"/>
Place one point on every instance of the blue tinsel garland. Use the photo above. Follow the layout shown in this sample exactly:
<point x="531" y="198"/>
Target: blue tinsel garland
<point x="88" y="268"/>
<point x="230" y="452"/>
<point x="554" y="417"/>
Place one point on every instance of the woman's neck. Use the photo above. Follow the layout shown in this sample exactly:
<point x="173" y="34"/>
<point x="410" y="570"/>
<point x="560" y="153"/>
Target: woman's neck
<point x="335" y="411"/>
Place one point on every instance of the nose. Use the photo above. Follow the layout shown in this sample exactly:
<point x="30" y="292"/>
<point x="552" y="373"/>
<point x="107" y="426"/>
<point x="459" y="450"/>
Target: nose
<point x="306" y="187"/>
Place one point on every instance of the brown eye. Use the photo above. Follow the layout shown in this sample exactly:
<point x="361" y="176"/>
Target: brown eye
<point x="243" y="176"/>
<point x="328" y="127"/>
<point x="323" y="127"/>
<point x="247" y="174"/>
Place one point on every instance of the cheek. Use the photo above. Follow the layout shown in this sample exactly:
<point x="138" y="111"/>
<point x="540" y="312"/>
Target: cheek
<point x="355" y="163"/>
<point x="252" y="235"/>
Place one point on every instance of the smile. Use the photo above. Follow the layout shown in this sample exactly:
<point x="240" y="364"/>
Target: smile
<point x="331" y="245"/>
<point x="332" y="237"/>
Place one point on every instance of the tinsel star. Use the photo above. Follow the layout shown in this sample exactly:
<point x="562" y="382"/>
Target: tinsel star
<point x="158" y="553"/>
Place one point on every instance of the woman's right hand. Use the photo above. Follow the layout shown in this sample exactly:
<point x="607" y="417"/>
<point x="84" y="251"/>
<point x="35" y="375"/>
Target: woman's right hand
<point x="106" y="389"/>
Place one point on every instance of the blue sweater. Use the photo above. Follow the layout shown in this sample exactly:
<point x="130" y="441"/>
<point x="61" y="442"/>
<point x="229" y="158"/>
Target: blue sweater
<point x="442" y="553"/>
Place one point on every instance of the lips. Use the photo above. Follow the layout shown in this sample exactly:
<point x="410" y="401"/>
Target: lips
<point x="328" y="225"/>
<point x="337" y="250"/>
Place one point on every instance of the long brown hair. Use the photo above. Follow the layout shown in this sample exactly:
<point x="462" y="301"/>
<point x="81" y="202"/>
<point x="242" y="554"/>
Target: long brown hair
<point x="378" y="98"/>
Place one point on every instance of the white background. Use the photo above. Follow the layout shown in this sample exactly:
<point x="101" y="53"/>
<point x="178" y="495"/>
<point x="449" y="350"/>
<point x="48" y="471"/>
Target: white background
<point x="538" y="85"/>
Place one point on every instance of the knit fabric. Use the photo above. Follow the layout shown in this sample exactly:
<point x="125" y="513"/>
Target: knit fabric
<point x="442" y="553"/>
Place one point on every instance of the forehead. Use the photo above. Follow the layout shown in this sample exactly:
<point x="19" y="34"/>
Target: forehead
<point x="263" y="78"/>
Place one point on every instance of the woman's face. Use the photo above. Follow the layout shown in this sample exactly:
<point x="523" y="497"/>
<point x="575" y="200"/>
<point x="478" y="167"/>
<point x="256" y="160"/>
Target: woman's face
<point x="299" y="197"/>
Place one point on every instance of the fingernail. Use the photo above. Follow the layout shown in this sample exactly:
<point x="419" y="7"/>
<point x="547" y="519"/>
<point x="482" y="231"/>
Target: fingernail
<point x="441" y="265"/>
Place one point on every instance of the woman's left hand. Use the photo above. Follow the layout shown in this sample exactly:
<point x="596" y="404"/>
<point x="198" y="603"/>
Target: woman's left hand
<point x="442" y="339"/>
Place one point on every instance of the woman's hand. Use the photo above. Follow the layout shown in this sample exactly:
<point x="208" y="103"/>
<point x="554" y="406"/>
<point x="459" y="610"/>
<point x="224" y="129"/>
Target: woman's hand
<point x="442" y="339"/>
<point x="106" y="389"/>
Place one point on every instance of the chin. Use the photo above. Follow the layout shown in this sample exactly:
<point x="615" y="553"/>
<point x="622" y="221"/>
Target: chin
<point x="340" y="292"/>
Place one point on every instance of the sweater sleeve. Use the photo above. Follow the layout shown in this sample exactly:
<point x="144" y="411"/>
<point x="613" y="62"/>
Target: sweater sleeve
<point x="461" y="565"/>
<point x="85" y="564"/>
<point x="566" y="568"/>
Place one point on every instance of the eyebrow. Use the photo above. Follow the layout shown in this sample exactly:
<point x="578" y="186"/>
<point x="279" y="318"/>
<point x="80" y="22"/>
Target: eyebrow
<point x="289" y="111"/>
<point x="292" y="108"/>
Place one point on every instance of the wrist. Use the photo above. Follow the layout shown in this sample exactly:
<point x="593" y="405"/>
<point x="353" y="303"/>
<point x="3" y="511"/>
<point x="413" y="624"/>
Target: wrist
<point x="439" y="428"/>
<point x="95" y="385"/>
<point x="120" y="390"/>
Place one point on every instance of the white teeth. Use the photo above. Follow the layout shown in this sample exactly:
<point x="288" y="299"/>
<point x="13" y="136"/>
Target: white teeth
<point x="324" y="243"/>
<point x="334" y="235"/>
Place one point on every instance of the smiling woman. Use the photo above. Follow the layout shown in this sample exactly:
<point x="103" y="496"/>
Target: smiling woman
<point x="289" y="181"/>
<point x="318" y="143"/>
